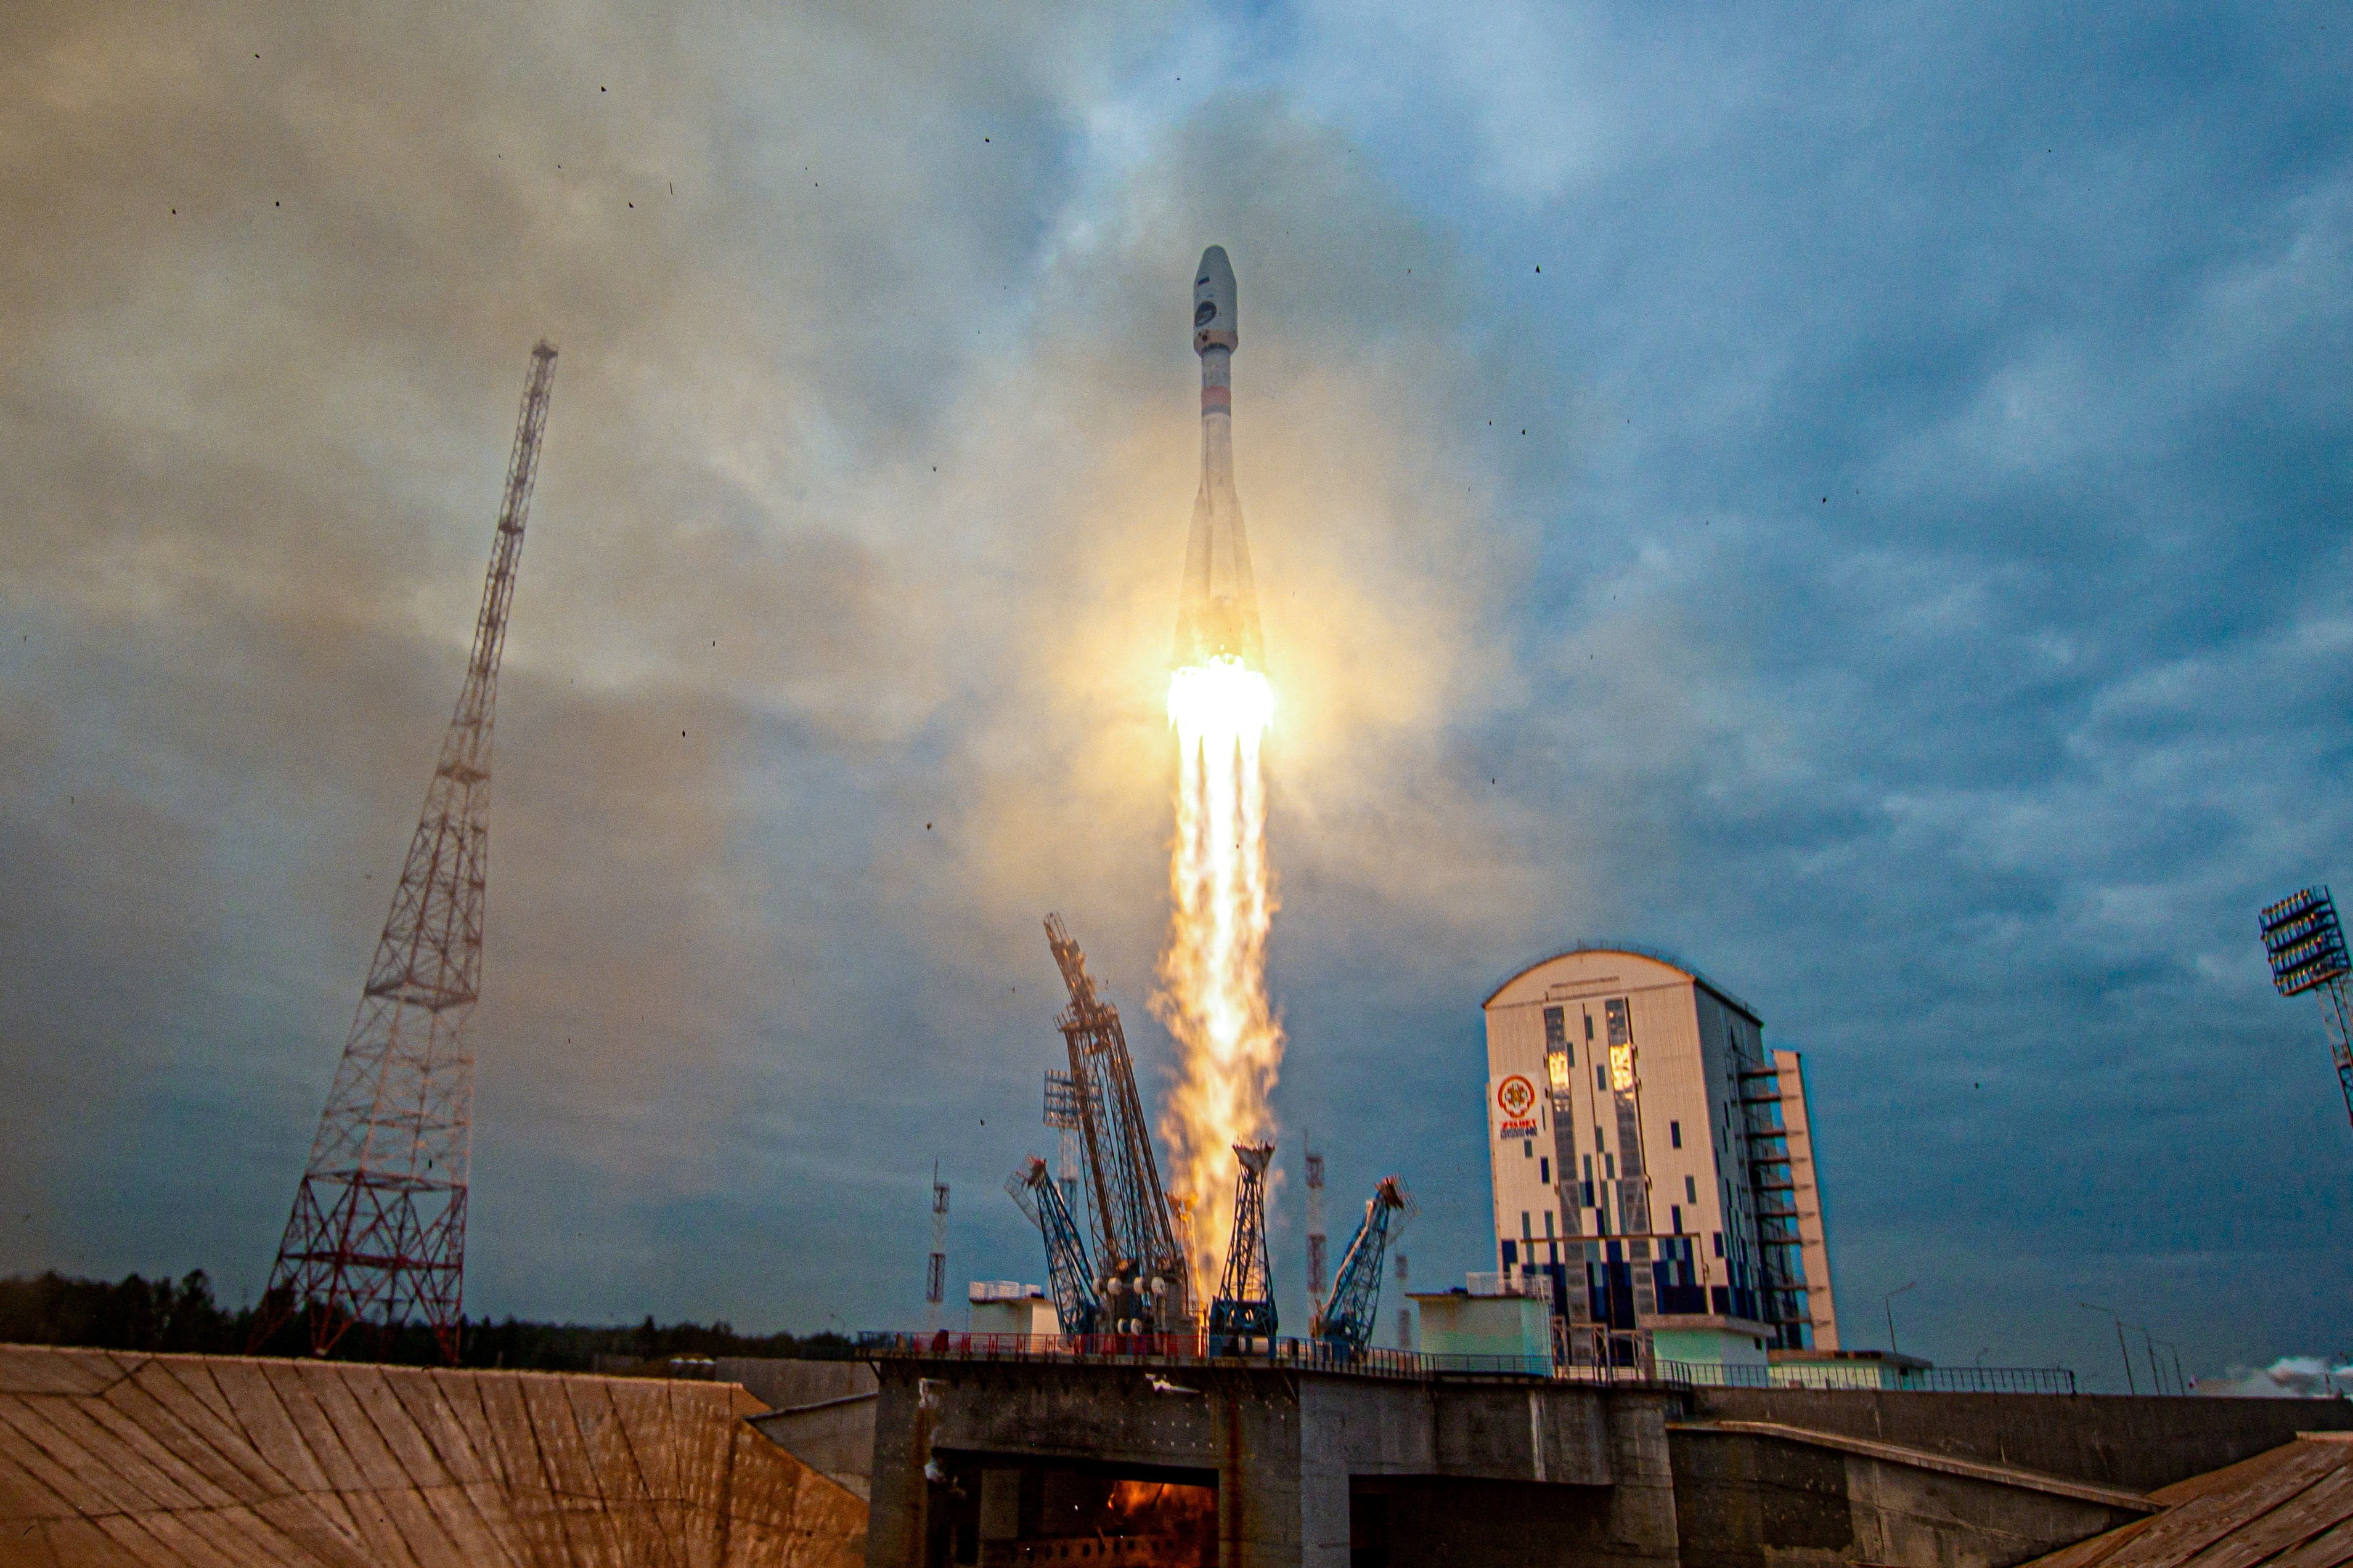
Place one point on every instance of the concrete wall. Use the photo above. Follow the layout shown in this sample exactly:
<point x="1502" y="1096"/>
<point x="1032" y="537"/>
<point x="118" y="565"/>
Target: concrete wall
<point x="1333" y="1471"/>
<point x="2137" y="1444"/>
<point x="1745" y="1501"/>
<point x="1289" y="1453"/>
<point x="822" y="1412"/>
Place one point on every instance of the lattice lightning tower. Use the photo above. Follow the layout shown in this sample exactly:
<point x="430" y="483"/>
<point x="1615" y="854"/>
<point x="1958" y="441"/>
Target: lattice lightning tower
<point x="378" y="1231"/>
<point x="936" y="1266"/>
<point x="1318" y="1276"/>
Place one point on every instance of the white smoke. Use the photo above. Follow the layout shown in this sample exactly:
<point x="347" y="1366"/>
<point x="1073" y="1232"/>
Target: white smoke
<point x="2290" y="1377"/>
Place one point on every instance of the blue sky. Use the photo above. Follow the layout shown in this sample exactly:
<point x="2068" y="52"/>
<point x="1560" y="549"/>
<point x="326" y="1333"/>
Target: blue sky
<point x="1854" y="496"/>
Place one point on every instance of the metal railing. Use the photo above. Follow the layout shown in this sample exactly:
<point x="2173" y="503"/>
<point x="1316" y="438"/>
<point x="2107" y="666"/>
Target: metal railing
<point x="1193" y="1350"/>
<point x="1836" y="1376"/>
<point x="1583" y="1354"/>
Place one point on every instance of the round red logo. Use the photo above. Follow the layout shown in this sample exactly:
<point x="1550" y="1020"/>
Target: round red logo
<point x="1516" y="1096"/>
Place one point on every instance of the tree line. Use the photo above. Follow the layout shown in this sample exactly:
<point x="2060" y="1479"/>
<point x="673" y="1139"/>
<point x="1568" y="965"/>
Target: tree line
<point x="167" y="1315"/>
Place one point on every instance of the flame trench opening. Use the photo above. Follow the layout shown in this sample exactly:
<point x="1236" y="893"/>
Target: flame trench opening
<point x="1213" y="975"/>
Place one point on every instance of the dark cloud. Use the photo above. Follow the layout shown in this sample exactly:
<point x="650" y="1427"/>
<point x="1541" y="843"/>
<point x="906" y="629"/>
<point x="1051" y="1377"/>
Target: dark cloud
<point x="1916" y="596"/>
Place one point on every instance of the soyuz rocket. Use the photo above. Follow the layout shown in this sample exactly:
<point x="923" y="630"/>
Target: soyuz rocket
<point x="1216" y="611"/>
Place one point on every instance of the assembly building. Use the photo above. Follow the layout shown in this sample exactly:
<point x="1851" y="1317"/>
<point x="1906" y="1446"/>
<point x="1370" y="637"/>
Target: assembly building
<point x="1652" y="1165"/>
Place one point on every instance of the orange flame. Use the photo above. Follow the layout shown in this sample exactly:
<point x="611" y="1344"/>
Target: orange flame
<point x="1213" y="974"/>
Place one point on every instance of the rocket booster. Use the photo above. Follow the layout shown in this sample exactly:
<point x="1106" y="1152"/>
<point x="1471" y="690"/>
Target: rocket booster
<point x="1216" y="611"/>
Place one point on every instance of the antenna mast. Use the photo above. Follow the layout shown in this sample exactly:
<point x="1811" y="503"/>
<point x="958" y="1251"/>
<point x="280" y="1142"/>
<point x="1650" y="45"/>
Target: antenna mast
<point x="378" y="1231"/>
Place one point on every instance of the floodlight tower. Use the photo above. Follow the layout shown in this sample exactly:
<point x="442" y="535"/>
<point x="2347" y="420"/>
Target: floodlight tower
<point x="1062" y="1116"/>
<point x="2307" y="948"/>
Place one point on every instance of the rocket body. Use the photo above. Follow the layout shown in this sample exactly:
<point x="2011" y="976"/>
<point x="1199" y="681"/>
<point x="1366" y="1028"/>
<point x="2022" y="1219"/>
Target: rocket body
<point x="1216" y="611"/>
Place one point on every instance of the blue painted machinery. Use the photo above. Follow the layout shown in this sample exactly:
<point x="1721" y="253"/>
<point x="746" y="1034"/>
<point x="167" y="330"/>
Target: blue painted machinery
<point x="1072" y="1279"/>
<point x="1348" y="1322"/>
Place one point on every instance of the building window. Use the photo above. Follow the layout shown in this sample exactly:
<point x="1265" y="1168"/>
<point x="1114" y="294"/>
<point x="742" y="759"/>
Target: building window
<point x="1589" y="1170"/>
<point x="1719" y="1244"/>
<point x="1609" y="1166"/>
<point x="1675" y="1133"/>
<point x="1601" y="1078"/>
<point x="1527" y="1149"/>
<point x="1528" y="1230"/>
<point x="1597" y="1140"/>
<point x="1555" y="1030"/>
<point x="1589" y="1028"/>
<point x="1543" y="1171"/>
<point x="1675" y="1218"/>
<point x="1547" y="1225"/>
<point x="1691" y="1190"/>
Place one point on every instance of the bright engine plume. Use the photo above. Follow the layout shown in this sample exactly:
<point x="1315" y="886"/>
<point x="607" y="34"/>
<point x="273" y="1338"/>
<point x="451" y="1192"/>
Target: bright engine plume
<point x="1213" y="975"/>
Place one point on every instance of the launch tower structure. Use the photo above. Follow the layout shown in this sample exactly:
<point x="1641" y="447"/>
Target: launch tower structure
<point x="1147" y="1279"/>
<point x="2307" y="948"/>
<point x="1244" y="1307"/>
<point x="378" y="1230"/>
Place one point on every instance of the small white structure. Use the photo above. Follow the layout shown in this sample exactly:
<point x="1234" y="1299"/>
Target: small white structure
<point x="1848" y="1369"/>
<point x="1009" y="1307"/>
<point x="1508" y="1327"/>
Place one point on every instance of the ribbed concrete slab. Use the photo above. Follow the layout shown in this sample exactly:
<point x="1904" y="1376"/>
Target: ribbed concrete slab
<point x="2290" y="1508"/>
<point x="109" y="1461"/>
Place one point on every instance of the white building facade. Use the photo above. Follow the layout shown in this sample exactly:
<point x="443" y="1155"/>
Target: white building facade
<point x="1653" y="1166"/>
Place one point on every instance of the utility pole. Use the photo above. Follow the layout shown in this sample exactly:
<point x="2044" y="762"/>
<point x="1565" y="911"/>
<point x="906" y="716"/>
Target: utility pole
<point x="1888" y="1302"/>
<point x="2123" y="1350"/>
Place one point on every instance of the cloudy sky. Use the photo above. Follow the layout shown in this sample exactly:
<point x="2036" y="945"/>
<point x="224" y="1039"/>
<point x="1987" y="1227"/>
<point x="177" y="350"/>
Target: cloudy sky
<point x="1856" y="498"/>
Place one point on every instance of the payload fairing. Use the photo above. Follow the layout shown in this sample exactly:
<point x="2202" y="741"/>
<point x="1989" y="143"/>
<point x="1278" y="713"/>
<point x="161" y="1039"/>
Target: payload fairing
<point x="1217" y="613"/>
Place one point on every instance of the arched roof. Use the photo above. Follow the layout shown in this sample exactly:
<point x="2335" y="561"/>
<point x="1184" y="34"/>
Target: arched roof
<point x="1634" y="950"/>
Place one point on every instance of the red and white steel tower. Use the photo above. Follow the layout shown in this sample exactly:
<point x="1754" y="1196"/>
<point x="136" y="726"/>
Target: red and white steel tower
<point x="378" y="1231"/>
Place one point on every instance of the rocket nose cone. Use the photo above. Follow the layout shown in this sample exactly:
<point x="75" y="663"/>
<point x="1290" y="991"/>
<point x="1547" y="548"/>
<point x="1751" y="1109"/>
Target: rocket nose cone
<point x="1214" y="315"/>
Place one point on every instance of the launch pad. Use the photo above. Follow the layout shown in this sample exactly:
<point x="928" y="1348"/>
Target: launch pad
<point x="1180" y="1462"/>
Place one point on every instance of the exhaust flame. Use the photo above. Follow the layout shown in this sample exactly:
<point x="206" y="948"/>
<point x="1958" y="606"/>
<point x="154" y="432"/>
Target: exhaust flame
<point x="1213" y="975"/>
